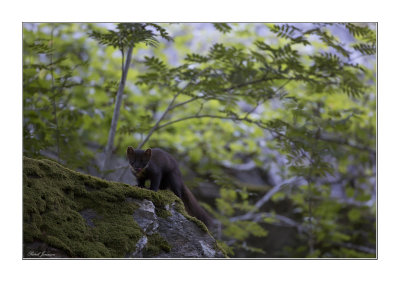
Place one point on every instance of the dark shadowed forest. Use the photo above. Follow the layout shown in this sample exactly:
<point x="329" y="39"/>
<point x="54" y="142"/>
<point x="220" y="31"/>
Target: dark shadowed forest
<point x="273" y="124"/>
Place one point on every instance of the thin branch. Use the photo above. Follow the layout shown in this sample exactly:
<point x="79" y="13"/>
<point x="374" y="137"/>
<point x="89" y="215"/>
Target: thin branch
<point x="254" y="108"/>
<point x="363" y="249"/>
<point x="310" y="210"/>
<point x="264" y="199"/>
<point x="155" y="127"/>
<point x="200" y="109"/>
<point x="249" y="83"/>
<point x="192" y="117"/>
<point x="234" y="118"/>
<point x="54" y="95"/>
<point x="272" y="192"/>
<point x="283" y="220"/>
<point x="263" y="100"/>
<point x="347" y="143"/>
<point x="185" y="102"/>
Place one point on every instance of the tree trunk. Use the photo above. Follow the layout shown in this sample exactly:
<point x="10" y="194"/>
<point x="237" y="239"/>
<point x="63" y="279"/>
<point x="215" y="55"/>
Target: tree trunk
<point x="118" y="102"/>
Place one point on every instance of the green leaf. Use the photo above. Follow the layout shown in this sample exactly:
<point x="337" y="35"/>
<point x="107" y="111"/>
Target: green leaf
<point x="222" y="27"/>
<point x="350" y="192"/>
<point x="354" y="215"/>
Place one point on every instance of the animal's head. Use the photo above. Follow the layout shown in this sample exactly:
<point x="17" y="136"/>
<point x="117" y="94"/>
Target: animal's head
<point x="138" y="159"/>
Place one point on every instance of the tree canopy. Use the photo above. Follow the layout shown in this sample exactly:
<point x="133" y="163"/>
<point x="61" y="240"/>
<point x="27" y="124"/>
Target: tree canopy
<point x="279" y="119"/>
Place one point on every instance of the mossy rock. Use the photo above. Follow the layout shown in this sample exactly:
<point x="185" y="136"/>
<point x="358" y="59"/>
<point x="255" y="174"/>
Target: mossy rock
<point x="84" y="216"/>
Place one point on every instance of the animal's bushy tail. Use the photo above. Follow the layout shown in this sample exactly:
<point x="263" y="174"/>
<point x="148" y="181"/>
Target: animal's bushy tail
<point x="193" y="207"/>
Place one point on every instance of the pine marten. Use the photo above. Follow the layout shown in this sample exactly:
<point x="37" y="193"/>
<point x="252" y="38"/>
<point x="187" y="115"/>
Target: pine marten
<point x="163" y="172"/>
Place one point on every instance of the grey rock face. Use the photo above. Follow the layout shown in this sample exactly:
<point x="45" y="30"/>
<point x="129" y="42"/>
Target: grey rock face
<point x="185" y="237"/>
<point x="146" y="216"/>
<point x="140" y="245"/>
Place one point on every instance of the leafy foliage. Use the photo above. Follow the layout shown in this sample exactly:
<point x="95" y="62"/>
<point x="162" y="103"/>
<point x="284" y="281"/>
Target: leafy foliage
<point x="130" y="34"/>
<point x="50" y="83"/>
<point x="222" y="27"/>
<point x="296" y="105"/>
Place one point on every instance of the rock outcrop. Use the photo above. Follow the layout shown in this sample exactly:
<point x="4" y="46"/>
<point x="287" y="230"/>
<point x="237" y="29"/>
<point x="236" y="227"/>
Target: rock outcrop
<point x="67" y="214"/>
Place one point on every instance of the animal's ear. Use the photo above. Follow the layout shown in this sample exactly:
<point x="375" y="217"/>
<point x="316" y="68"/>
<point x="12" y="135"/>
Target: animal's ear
<point x="130" y="152"/>
<point x="147" y="154"/>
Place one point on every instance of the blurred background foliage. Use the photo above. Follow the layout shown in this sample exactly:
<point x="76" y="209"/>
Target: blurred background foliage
<point x="274" y="125"/>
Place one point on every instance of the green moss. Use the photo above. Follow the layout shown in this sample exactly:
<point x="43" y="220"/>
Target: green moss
<point x="54" y="197"/>
<point x="224" y="248"/>
<point x="199" y="223"/>
<point x="162" y="213"/>
<point x="156" y="243"/>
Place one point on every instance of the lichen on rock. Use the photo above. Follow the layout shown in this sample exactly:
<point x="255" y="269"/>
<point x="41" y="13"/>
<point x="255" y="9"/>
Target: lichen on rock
<point x="70" y="214"/>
